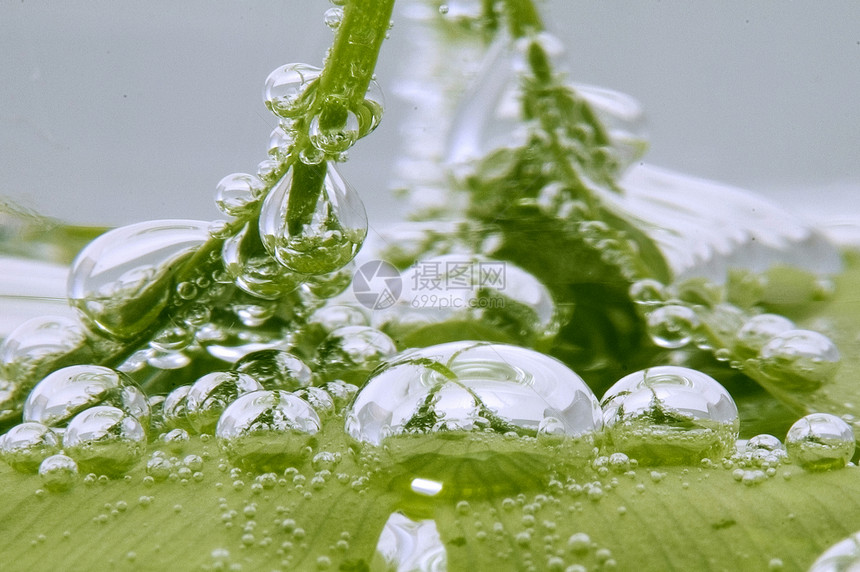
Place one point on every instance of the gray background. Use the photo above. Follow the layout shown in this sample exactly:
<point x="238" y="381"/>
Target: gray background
<point x="114" y="111"/>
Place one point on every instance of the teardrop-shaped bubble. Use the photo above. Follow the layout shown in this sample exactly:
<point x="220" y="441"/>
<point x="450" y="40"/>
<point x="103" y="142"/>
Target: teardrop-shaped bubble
<point x="820" y="442"/>
<point x="352" y="352"/>
<point x="268" y="430"/>
<point x="58" y="473"/>
<point x="799" y="359"/>
<point x="480" y="400"/>
<point x="844" y="556"/>
<point x="254" y="270"/>
<point x="210" y="395"/>
<point x="759" y="330"/>
<point x="236" y="193"/>
<point x="670" y="415"/>
<point x="286" y="88"/>
<point x="458" y="296"/>
<point x="320" y="240"/>
<point x="105" y="440"/>
<point x="123" y="279"/>
<point x="26" y="445"/>
<point x="70" y="390"/>
<point x="275" y="369"/>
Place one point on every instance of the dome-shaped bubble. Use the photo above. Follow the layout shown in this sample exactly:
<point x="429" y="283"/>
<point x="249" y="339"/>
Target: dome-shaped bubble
<point x="174" y="408"/>
<point x="105" y="440"/>
<point x="759" y="330"/>
<point x="236" y="193"/>
<point x="819" y="442"/>
<point x="59" y="473"/>
<point x="253" y="270"/>
<point x="461" y="296"/>
<point x="267" y="430"/>
<point x="67" y="391"/>
<point x="454" y="413"/>
<point x="670" y="415"/>
<point x="26" y="445"/>
<point x="123" y="279"/>
<point x="341" y="392"/>
<point x="285" y="89"/>
<point x="275" y="369"/>
<point x="323" y="238"/>
<point x="352" y="352"/>
<point x="672" y="326"/>
<point x="799" y="359"/>
<point x="210" y="395"/>
<point x="318" y="398"/>
<point x="844" y="556"/>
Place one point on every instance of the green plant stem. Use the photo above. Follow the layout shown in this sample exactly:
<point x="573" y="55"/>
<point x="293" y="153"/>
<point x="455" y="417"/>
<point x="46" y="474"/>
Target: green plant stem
<point x="523" y="18"/>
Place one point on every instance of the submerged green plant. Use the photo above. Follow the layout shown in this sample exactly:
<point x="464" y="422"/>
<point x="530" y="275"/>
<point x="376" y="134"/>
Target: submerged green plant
<point x="231" y="407"/>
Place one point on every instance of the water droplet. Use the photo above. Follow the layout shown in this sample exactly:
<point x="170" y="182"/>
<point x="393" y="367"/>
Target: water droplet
<point x="800" y="359"/>
<point x="819" y="442"/>
<point x="443" y="9"/>
<point x="320" y="240"/>
<point x="210" y="395"/>
<point x="670" y="415"/>
<point x="648" y="292"/>
<point x="333" y="17"/>
<point x="759" y="330"/>
<point x="369" y="110"/>
<point x="105" y="439"/>
<point x="844" y="556"/>
<point x="59" y="473"/>
<point x="672" y="326"/>
<point x="172" y="339"/>
<point x="123" y="279"/>
<point x="285" y="89"/>
<point x="236" y="194"/>
<point x="67" y="391"/>
<point x="352" y="352"/>
<point x="174" y="407"/>
<point x="275" y="369"/>
<point x="267" y="430"/>
<point x="26" y="445"/>
<point x="336" y="128"/>
<point x="254" y="270"/>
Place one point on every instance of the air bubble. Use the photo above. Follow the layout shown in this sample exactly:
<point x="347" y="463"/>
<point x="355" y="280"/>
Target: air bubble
<point x="352" y="352"/>
<point x="236" y="194"/>
<point x="820" y="442"/>
<point x="670" y="415"/>
<point x="267" y="430"/>
<point x="26" y="445"/>
<point x="844" y="556"/>
<point x="254" y="270"/>
<point x="275" y="369"/>
<point x="59" y="473"/>
<point x="799" y="359"/>
<point x="67" y="391"/>
<point x="286" y="87"/>
<point x="648" y="292"/>
<point x="335" y="129"/>
<point x="322" y="240"/>
<point x="122" y="280"/>
<point x="105" y="440"/>
<point x="333" y="17"/>
<point x="759" y="330"/>
<point x="210" y="395"/>
<point x="672" y="326"/>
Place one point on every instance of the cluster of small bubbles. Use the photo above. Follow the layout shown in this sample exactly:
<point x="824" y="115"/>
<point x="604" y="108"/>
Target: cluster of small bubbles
<point x="210" y="395"/>
<point x="266" y="430"/>
<point x="672" y="326"/>
<point x="275" y="369"/>
<point x="799" y="359"/>
<point x="670" y="415"/>
<point x="327" y="239"/>
<point x="350" y="353"/>
<point x="820" y="442"/>
<point x="27" y="444"/>
<point x="105" y="439"/>
<point x="69" y="390"/>
<point x="58" y="472"/>
<point x="285" y="89"/>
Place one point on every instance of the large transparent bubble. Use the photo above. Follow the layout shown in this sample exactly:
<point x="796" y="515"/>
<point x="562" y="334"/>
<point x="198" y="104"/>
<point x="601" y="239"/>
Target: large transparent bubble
<point x="670" y="415"/>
